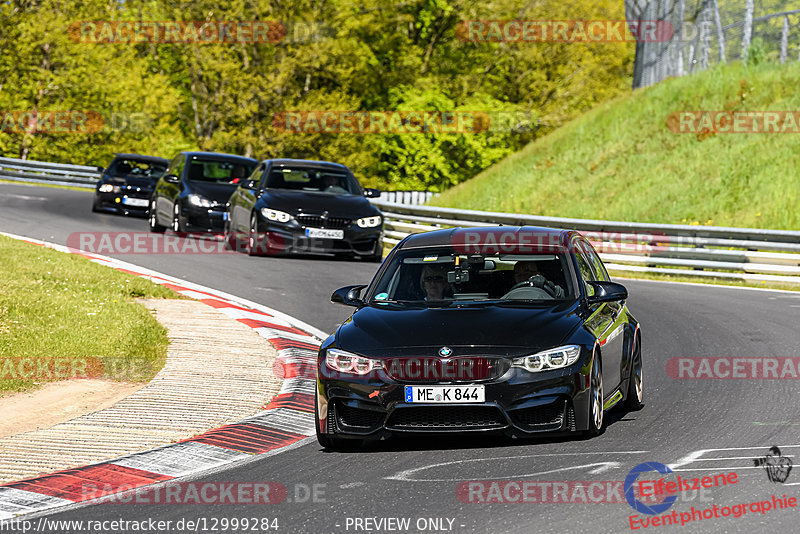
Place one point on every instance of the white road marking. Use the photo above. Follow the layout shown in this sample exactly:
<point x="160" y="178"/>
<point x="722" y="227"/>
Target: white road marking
<point x="23" y="197"/>
<point x="406" y="475"/>
<point x="695" y="456"/>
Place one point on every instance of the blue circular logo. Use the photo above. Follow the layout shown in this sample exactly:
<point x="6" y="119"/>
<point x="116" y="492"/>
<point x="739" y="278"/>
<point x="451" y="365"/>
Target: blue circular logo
<point x="630" y="481"/>
<point x="445" y="351"/>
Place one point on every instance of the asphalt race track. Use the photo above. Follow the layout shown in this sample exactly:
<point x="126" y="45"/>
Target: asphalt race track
<point x="699" y="427"/>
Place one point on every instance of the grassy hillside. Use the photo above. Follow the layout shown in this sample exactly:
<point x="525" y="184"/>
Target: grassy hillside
<point x="621" y="161"/>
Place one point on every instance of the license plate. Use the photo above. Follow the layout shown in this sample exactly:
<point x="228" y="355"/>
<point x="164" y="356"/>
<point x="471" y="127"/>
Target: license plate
<point x="434" y="394"/>
<point x="138" y="202"/>
<point x="324" y="233"/>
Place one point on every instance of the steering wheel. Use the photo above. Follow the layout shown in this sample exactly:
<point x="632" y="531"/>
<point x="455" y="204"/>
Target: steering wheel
<point x="537" y="281"/>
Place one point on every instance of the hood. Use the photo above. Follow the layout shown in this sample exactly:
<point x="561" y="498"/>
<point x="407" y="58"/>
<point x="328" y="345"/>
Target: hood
<point x="218" y="192"/>
<point x="392" y="330"/>
<point x="133" y="181"/>
<point x="346" y="206"/>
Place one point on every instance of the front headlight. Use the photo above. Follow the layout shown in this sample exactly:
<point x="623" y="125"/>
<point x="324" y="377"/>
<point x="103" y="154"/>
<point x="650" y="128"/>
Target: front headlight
<point x="106" y="188"/>
<point x="557" y="358"/>
<point x="275" y="215"/>
<point x="197" y="200"/>
<point x="347" y="362"/>
<point x="369" y="222"/>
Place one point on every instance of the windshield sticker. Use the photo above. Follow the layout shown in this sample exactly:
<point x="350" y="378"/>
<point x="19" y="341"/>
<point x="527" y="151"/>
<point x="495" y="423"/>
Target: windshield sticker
<point x="381" y="296"/>
<point x="430" y="258"/>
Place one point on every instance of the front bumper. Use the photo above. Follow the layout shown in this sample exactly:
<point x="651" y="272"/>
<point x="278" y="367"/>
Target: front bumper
<point x="291" y="238"/>
<point x="517" y="403"/>
<point x="121" y="202"/>
<point x="200" y="219"/>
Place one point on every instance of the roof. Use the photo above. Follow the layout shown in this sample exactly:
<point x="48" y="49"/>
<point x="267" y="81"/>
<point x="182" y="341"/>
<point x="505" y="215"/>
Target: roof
<point x="494" y="239"/>
<point x="305" y="162"/>
<point x="141" y="157"/>
<point x="218" y="155"/>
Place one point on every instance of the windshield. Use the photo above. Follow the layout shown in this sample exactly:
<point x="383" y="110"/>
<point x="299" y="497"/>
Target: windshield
<point x="442" y="275"/>
<point x="330" y="181"/>
<point x="219" y="171"/>
<point x="132" y="167"/>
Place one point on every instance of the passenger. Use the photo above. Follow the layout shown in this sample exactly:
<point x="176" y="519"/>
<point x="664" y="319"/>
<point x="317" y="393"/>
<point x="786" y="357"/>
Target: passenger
<point x="433" y="281"/>
<point x="528" y="271"/>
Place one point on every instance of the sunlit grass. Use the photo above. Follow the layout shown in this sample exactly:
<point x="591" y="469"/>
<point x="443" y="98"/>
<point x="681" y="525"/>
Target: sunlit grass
<point x="62" y="307"/>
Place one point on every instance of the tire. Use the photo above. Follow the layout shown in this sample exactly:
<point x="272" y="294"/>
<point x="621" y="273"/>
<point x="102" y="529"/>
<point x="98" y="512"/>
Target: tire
<point x="231" y="239"/>
<point x="256" y="246"/>
<point x="176" y="218"/>
<point x="595" y="400"/>
<point x="329" y="442"/>
<point x="94" y="207"/>
<point x="635" y="394"/>
<point x="153" y="220"/>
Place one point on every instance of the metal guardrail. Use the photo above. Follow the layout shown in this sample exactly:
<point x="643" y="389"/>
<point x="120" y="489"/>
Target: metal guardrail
<point x="22" y="170"/>
<point x="704" y="251"/>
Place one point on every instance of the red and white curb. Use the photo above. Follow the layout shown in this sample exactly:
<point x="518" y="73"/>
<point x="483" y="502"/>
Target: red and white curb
<point x="286" y="421"/>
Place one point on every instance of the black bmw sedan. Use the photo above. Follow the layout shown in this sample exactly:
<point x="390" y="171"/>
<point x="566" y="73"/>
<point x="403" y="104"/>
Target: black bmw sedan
<point x="127" y="184"/>
<point x="516" y="330"/>
<point x="192" y="195"/>
<point x="302" y="206"/>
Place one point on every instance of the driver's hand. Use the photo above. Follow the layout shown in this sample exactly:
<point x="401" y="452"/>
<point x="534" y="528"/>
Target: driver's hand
<point x="537" y="280"/>
<point x="555" y="290"/>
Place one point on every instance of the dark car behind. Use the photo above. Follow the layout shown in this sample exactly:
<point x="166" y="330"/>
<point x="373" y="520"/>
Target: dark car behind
<point x="193" y="194"/>
<point x="127" y="183"/>
<point x="303" y="206"/>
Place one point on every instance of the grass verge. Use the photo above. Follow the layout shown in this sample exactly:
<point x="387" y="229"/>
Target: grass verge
<point x="621" y="160"/>
<point x="62" y="316"/>
<point x="55" y="186"/>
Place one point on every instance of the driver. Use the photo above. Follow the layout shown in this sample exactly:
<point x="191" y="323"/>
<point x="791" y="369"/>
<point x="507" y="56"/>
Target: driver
<point x="528" y="271"/>
<point x="434" y="283"/>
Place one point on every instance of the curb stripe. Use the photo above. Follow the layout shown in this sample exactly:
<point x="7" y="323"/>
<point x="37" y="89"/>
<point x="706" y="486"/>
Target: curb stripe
<point x="248" y="437"/>
<point x="299" y="401"/>
<point x="71" y="484"/>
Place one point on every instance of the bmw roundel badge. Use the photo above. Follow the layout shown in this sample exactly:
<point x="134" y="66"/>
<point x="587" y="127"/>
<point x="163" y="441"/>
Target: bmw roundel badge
<point x="445" y="351"/>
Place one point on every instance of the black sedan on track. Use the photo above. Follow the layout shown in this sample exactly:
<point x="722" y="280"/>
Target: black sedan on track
<point x="516" y="330"/>
<point x="302" y="206"/>
<point x="127" y="184"/>
<point x="192" y="195"/>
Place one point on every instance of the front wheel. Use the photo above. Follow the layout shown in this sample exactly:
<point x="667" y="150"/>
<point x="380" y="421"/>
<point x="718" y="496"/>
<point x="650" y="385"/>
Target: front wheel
<point x="595" y="399"/>
<point x="634" y="399"/>
<point x="257" y="244"/>
<point x="153" y="220"/>
<point x="330" y="442"/>
<point x="176" y="218"/>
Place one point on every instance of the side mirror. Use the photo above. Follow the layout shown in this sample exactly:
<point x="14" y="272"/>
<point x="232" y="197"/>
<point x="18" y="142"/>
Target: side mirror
<point x="348" y="295"/>
<point x="100" y="169"/>
<point x="372" y="193"/>
<point x="607" y="292"/>
<point x="171" y="179"/>
<point x="250" y="184"/>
